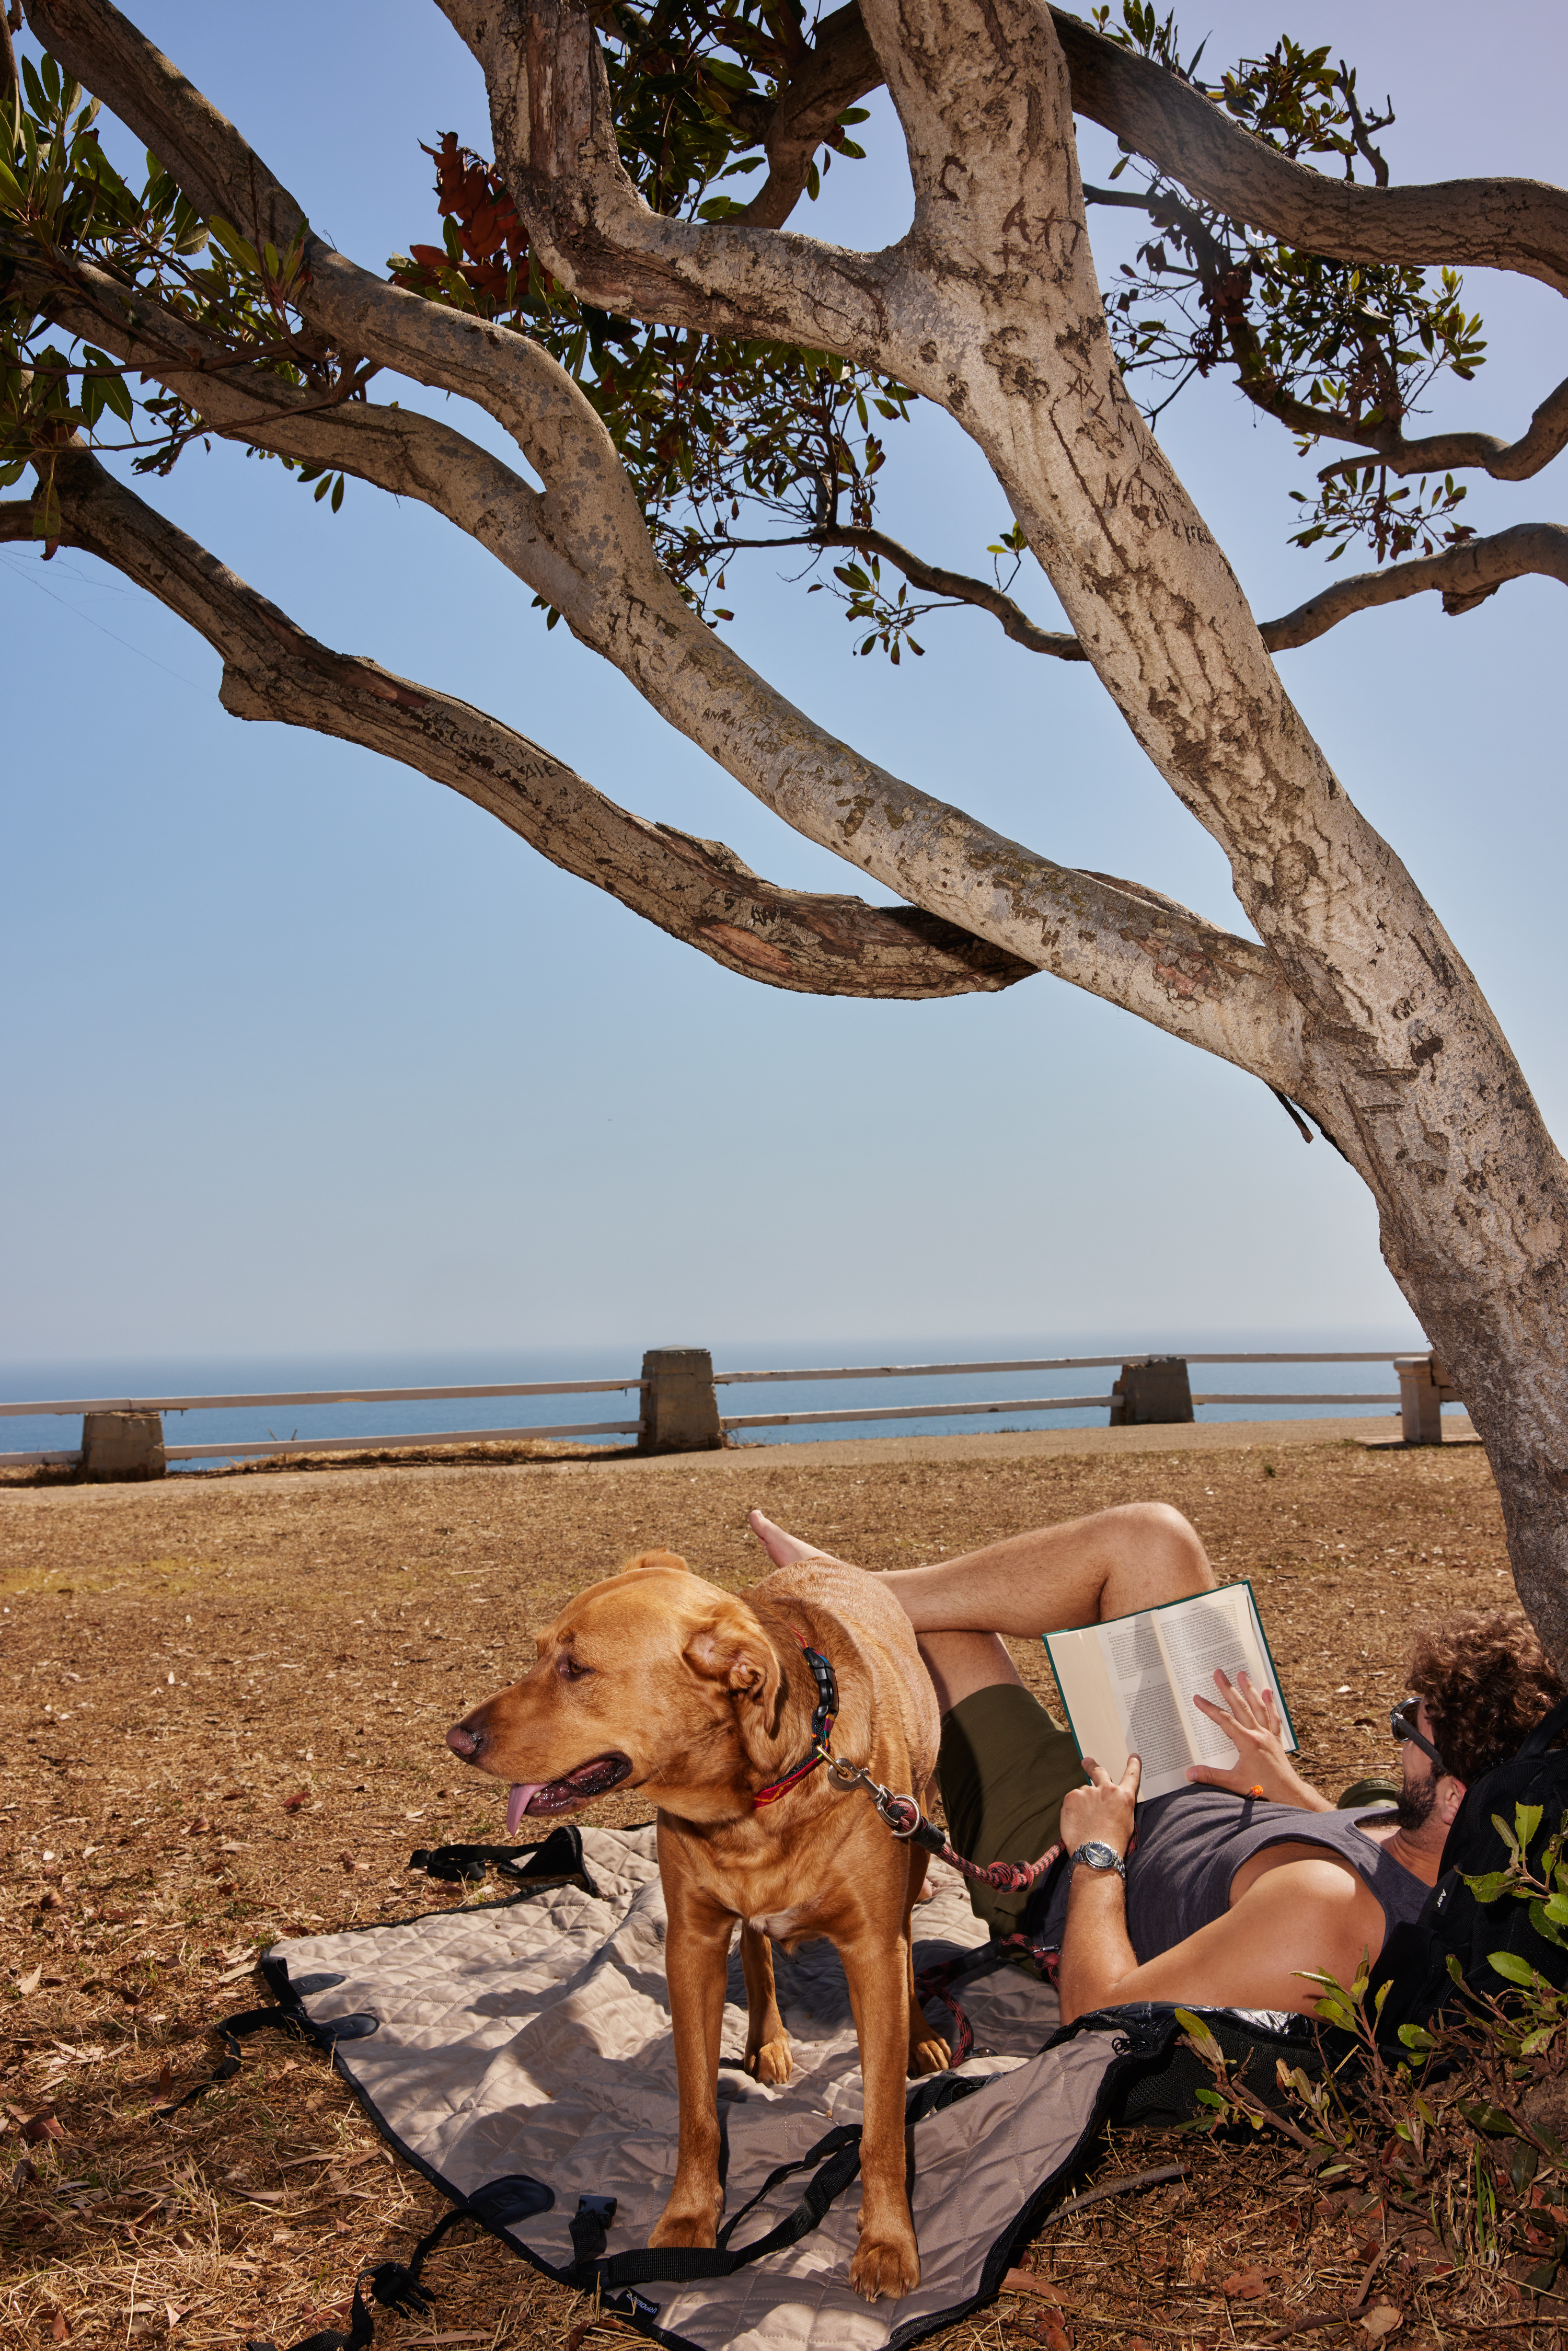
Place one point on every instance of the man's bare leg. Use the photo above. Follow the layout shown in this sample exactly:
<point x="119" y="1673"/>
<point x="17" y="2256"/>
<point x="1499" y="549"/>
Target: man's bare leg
<point x="1112" y="1563"/>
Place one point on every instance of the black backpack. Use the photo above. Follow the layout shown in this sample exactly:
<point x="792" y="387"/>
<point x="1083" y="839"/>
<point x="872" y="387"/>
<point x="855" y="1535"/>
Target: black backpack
<point x="1454" y="1924"/>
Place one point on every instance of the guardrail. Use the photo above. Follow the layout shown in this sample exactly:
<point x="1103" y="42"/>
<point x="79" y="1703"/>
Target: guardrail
<point x="123" y="1437"/>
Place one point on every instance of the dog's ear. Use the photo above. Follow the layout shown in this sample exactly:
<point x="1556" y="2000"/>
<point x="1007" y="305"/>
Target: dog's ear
<point x="732" y="1649"/>
<point x="655" y="1559"/>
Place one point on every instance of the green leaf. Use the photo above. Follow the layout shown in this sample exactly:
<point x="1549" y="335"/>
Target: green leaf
<point x="1414" y="2037"/>
<point x="337" y="494"/>
<point x="1491" y="1886"/>
<point x="1511" y="1968"/>
<point x="233" y="243"/>
<point x="1527" y="1818"/>
<point x="1490" y="2119"/>
<point x="1201" y="2036"/>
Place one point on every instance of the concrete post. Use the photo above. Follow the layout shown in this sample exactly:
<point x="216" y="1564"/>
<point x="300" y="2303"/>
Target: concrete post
<point x="117" y="1447"/>
<point x="1423" y="1390"/>
<point x="1157" y="1389"/>
<point x="680" y="1406"/>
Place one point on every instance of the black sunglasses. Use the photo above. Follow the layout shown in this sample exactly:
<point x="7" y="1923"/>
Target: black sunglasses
<point x="1402" y="1722"/>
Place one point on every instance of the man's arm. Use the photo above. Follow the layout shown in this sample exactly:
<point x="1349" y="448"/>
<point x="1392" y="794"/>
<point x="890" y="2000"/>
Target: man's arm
<point x="1299" y="1917"/>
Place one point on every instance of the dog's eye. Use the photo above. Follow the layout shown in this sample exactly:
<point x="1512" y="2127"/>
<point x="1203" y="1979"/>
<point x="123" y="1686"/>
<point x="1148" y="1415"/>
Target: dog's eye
<point x="571" y="1670"/>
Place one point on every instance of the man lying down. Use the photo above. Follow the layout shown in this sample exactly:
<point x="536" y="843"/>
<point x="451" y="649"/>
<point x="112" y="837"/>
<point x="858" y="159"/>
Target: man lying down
<point x="1231" y="1897"/>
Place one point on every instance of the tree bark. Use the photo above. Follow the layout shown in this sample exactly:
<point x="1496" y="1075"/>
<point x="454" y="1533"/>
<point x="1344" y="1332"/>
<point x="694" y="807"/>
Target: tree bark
<point x="990" y="306"/>
<point x="1356" y="1004"/>
<point x="698" y="891"/>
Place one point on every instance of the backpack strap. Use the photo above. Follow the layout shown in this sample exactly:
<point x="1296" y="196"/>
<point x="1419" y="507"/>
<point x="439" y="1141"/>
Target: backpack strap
<point x="1546" y="1729"/>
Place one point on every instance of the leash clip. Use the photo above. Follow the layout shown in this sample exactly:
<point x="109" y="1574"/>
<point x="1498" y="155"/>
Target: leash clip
<point x="898" y="1809"/>
<point x="900" y="1814"/>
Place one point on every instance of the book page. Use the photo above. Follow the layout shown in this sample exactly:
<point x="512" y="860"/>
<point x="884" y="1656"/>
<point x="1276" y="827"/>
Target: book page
<point x="1213" y="1631"/>
<point x="1119" y="1699"/>
<point x="1086" y="1694"/>
<point x="1128" y="1686"/>
<point x="1151" y="1722"/>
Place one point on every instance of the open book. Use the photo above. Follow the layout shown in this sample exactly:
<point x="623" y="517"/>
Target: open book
<point x="1128" y="1686"/>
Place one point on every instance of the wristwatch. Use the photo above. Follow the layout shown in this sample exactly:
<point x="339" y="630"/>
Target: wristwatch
<point x="1095" y="1856"/>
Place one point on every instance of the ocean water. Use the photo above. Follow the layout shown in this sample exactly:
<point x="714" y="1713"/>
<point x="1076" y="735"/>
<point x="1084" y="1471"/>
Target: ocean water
<point x="124" y="1379"/>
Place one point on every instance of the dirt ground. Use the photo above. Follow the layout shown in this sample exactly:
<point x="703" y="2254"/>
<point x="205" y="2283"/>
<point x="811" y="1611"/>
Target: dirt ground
<point x="223" y="1702"/>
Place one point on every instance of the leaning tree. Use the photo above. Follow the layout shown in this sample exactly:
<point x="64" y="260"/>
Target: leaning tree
<point x="688" y="378"/>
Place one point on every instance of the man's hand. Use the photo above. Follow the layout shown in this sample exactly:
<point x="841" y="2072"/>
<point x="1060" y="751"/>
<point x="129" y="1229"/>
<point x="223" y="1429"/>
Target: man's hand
<point x="1103" y="1812"/>
<point x="1251" y="1720"/>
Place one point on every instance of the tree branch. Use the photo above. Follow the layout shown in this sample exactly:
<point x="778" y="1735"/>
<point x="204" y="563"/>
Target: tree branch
<point x="584" y="547"/>
<point x="937" y="581"/>
<point x="697" y="890"/>
<point x="1255" y="379"/>
<point x="1448" y="452"/>
<point x="1489" y="223"/>
<point x="1466" y="576"/>
<point x="685" y="275"/>
<point x="961" y="587"/>
<point x="556" y="146"/>
<point x="840" y="68"/>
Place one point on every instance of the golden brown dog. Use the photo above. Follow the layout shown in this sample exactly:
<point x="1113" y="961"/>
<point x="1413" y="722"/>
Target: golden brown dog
<point x="657" y="1680"/>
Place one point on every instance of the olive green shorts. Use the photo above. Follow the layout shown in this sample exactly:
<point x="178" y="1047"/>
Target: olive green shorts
<point x="1005" y="1768"/>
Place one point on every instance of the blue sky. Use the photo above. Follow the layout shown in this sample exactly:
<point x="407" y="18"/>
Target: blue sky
<point x="305" y="1056"/>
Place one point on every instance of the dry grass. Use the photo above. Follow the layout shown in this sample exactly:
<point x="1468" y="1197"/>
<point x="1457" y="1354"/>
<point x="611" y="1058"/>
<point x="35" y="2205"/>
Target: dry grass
<point x="225" y="1699"/>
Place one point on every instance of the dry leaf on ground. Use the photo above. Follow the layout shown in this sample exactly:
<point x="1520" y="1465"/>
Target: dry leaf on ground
<point x="334" y="1624"/>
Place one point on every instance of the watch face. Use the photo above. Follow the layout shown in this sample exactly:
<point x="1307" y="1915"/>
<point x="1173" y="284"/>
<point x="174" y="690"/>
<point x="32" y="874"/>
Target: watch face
<point x="1096" y="1855"/>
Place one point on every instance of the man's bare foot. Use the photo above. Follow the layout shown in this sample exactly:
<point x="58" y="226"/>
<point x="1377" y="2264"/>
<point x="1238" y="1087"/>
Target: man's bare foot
<point x="786" y="1550"/>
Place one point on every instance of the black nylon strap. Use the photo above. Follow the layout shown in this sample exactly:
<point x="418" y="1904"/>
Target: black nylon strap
<point x="838" y="2159"/>
<point x="590" y="2225"/>
<point x="232" y="2032"/>
<point x="1546" y="1729"/>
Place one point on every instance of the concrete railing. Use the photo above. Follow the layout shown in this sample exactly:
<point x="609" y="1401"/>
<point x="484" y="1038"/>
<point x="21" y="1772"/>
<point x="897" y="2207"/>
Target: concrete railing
<point x="123" y="1437"/>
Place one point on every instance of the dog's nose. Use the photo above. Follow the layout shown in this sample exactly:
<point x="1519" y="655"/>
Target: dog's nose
<point x="463" y="1742"/>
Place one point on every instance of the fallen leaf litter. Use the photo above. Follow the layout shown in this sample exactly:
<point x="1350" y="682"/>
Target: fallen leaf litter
<point x="223" y="1723"/>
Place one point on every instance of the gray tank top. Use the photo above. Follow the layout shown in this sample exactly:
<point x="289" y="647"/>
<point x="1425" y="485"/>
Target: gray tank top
<point x="1191" y="1844"/>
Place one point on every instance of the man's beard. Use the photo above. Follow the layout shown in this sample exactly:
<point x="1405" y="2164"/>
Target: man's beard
<point x="1418" y="1802"/>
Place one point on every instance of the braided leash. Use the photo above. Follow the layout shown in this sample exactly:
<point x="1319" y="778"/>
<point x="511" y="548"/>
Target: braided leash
<point x="902" y="1814"/>
<point x="904" y="1818"/>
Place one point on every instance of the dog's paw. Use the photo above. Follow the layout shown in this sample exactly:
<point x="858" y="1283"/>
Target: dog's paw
<point x="886" y="2265"/>
<point x="683" y="2229"/>
<point x="774" y="2062"/>
<point x="929" y="2055"/>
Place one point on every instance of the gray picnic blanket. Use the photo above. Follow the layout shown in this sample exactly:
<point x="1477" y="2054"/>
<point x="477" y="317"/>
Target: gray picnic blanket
<point x="519" y="2052"/>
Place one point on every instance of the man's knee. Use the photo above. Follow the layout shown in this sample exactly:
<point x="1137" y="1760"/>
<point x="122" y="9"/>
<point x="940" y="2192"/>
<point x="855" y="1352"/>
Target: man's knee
<point x="961" y="1663"/>
<point x="1164" y="1542"/>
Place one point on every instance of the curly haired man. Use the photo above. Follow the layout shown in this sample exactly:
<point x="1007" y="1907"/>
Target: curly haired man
<point x="1231" y="1897"/>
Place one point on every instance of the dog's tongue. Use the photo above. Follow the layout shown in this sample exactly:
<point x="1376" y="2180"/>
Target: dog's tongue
<point x="545" y="1798"/>
<point x="517" y="1803"/>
